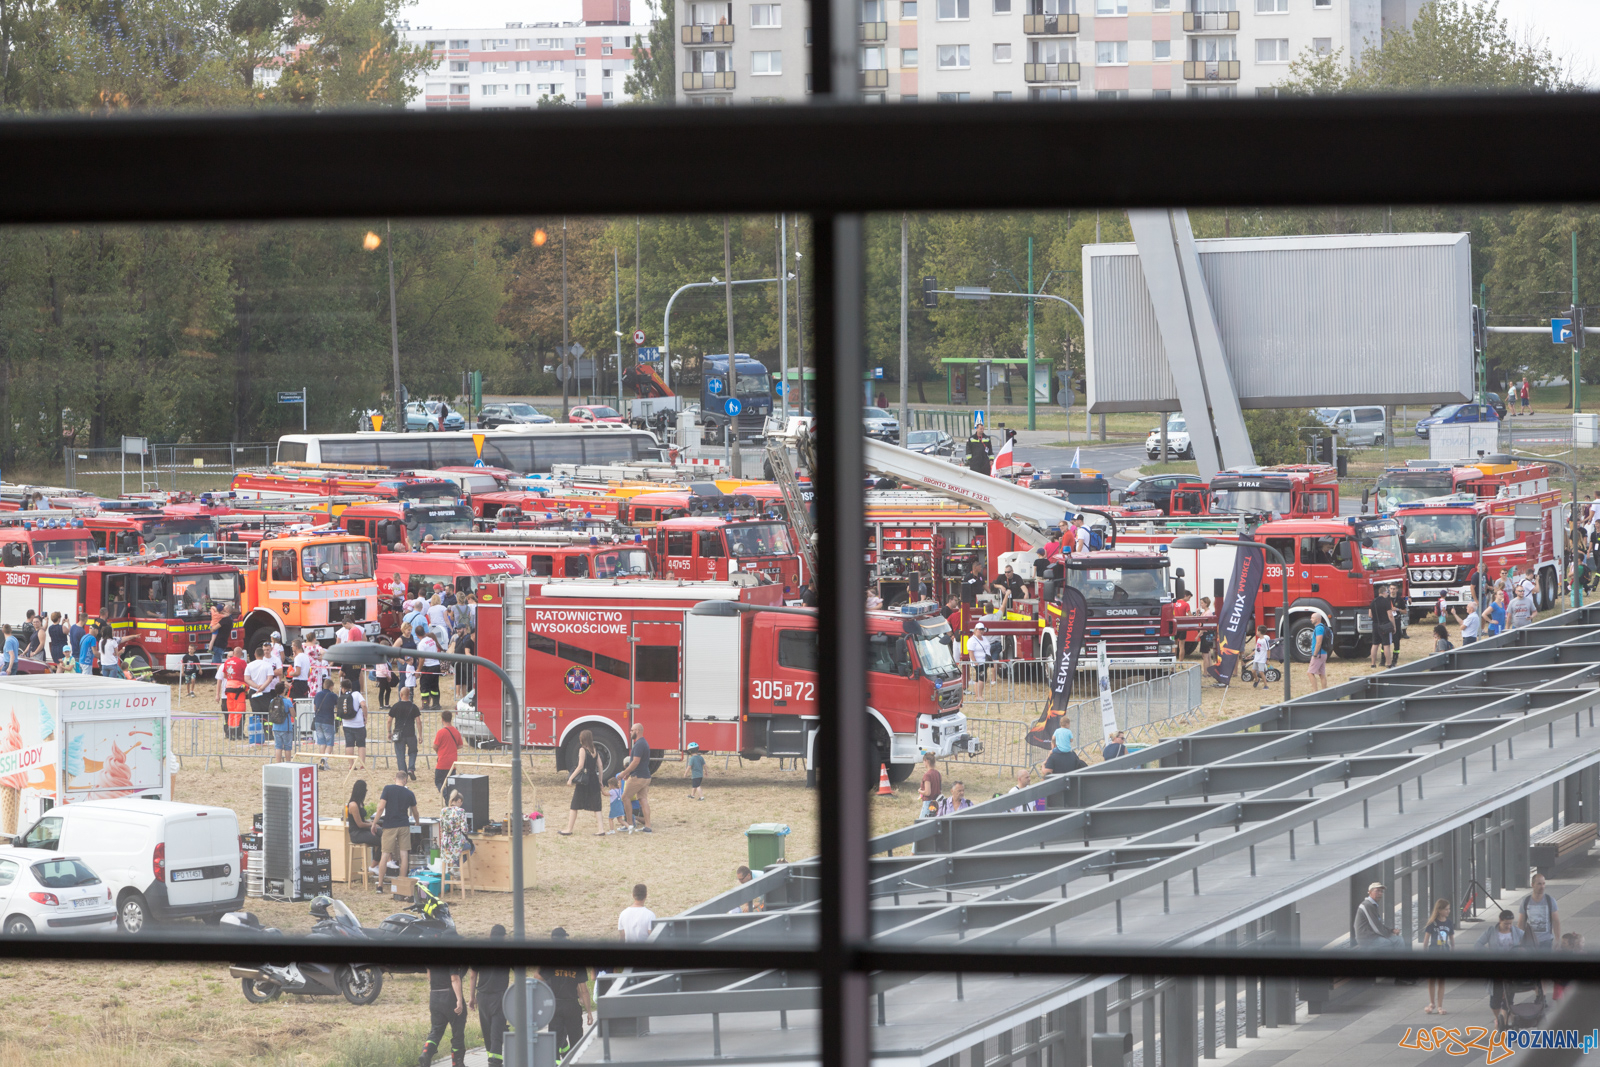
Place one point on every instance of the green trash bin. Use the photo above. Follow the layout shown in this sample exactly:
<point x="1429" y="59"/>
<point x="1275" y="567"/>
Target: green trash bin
<point x="765" y="841"/>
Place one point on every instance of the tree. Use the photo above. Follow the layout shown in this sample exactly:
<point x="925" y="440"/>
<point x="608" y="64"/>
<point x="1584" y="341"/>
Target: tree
<point x="1280" y="435"/>
<point x="654" y="78"/>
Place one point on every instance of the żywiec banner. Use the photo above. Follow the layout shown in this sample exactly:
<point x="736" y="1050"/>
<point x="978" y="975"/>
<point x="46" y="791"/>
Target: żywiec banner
<point x="1238" y="609"/>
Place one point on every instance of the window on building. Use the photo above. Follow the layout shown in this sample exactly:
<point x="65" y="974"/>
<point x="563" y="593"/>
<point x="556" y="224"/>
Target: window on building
<point x="908" y="98"/>
<point x="488" y="90"/>
<point x="874" y="98"/>
<point x="458" y="66"/>
<point x="605" y="73"/>
<point x="908" y="9"/>
<point x="458" y="44"/>
<point x="606" y="95"/>
<point x="1161" y="94"/>
<point x="1269" y="92"/>
<point x="1213" y="49"/>
<point x="627" y="42"/>
<point x="708" y="60"/>
<point x="1002" y="7"/>
<point x="954" y="98"/>
<point x="1272" y="50"/>
<point x="605" y="49"/>
<point x="1002" y="97"/>
<point x="873" y="58"/>
<point x="1052" y="93"/>
<point x="908" y="57"/>
<point x="1272" y="7"/>
<point x="1053" y="50"/>
<point x="524" y="89"/>
<point x="1111" y="94"/>
<point x="578" y="49"/>
<point x="766" y="16"/>
<point x="523" y="44"/>
<point x="1110" y="7"/>
<point x="955" y="57"/>
<point x="1212" y="92"/>
<point x="701" y="14"/>
<point x="1161" y="5"/>
<point x="1322" y="3"/>
<point x="503" y="43"/>
<point x="434" y="89"/>
<point x="766" y="62"/>
<point x="435" y="45"/>
<point x="1110" y="53"/>
<point x="580" y="96"/>
<point x="954" y="9"/>
<point x="1002" y="52"/>
<point x="460" y="88"/>
<point x="874" y="10"/>
<point x="1322" y="46"/>
<point x="1161" y="51"/>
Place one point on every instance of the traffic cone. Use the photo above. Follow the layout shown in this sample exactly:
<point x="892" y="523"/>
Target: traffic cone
<point x="884" y="788"/>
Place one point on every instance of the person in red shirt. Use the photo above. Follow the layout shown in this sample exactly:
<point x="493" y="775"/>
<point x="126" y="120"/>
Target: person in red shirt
<point x="446" y="744"/>
<point x="231" y="693"/>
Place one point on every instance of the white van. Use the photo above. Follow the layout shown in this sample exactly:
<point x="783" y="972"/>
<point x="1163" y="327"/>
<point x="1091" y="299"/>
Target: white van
<point x="162" y="860"/>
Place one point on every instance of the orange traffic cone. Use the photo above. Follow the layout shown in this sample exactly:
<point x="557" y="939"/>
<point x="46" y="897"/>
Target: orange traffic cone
<point x="884" y="788"/>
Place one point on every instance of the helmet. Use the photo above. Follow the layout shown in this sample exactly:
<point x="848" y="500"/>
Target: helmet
<point x="319" y="906"/>
<point x="242" y="919"/>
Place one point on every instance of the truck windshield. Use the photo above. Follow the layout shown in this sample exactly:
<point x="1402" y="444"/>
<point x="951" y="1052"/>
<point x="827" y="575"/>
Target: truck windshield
<point x="758" y="539"/>
<point x="1118" y="585"/>
<point x="1380" y="548"/>
<point x="337" y="561"/>
<point x="169" y="535"/>
<point x="194" y="595"/>
<point x="1396" y="489"/>
<point x="61" y="550"/>
<point x="438" y="523"/>
<point x="626" y="563"/>
<point x="440" y="491"/>
<point x="1440" y="533"/>
<point x="935" y="657"/>
<point x="1246" y="500"/>
<point x="751" y="383"/>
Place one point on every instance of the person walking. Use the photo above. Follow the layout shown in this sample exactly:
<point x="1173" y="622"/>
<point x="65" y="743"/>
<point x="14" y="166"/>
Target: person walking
<point x="445" y="1008"/>
<point x="980" y="452"/>
<point x="324" y="722"/>
<point x="1382" y="627"/>
<point x="231" y="692"/>
<point x="1536" y="916"/>
<point x="571" y="988"/>
<point x="1438" y="936"/>
<point x="1503" y="936"/>
<point x="352" y="710"/>
<point x="397" y="806"/>
<point x="585" y="783"/>
<point x="56" y="637"/>
<point x="636" y="781"/>
<point x="455" y="832"/>
<point x="1371" y="931"/>
<point x="403" y="716"/>
<point x="1523" y="393"/>
<point x="429" y="675"/>
<point x="1317" y="669"/>
<point x="978" y="655"/>
<point x="358" y="829"/>
<point x="635" y="922"/>
<point x="489" y="985"/>
<point x="931" y="788"/>
<point x="87" y="650"/>
<point x="447" y="743"/>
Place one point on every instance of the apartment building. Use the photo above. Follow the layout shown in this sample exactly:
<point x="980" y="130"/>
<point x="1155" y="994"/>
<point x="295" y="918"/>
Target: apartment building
<point x="740" y="51"/>
<point x="581" y="50"/>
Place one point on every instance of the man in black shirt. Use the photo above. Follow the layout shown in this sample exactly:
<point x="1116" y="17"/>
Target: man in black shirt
<point x="971" y="585"/>
<point x="1382" y="626"/>
<point x="403" y="716"/>
<point x="397" y="806"/>
<point x="445" y="1008"/>
<point x="571" y="988"/>
<point x="488" y="997"/>
<point x="221" y="633"/>
<point x="980" y="454"/>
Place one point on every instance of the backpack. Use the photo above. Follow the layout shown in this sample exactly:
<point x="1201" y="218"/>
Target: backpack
<point x="278" y="714"/>
<point x="347" y="705"/>
<point x="1097" y="539"/>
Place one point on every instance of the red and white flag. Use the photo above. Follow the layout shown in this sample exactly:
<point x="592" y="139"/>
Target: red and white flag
<point x="1002" y="458"/>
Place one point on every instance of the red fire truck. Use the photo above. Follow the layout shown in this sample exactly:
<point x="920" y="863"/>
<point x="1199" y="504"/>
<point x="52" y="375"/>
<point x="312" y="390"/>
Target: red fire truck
<point x="1285" y="491"/>
<point x="1446" y="537"/>
<point x="311" y="482"/>
<point x="703" y="498"/>
<point x="702" y="550"/>
<point x="35" y="537"/>
<point x="728" y="676"/>
<point x="557" y="554"/>
<point x="1424" y="479"/>
<point x="404" y="526"/>
<point x="511" y="508"/>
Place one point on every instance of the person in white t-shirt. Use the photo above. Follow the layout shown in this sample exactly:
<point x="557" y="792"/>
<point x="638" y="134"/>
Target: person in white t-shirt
<point x="300" y="681"/>
<point x="1080" y="540"/>
<point x="430" y="670"/>
<point x="110" y="664"/>
<point x="635" y="921"/>
<point x="978" y="655"/>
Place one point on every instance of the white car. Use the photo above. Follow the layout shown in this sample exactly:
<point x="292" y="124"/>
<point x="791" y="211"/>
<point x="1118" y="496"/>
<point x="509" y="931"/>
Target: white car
<point x="1178" y="444"/>
<point x="45" y="892"/>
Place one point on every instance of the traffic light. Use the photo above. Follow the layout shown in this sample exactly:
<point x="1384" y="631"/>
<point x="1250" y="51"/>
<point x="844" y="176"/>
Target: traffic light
<point x="1576" y="314"/>
<point x="930" y="294"/>
<point x="1480" y="328"/>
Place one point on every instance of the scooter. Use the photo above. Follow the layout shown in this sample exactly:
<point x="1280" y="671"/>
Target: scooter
<point x="359" y="983"/>
<point x="425" y="918"/>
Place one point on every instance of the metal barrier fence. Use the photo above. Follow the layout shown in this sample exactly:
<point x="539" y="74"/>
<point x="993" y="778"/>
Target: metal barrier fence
<point x="1141" y="707"/>
<point x="200" y="466"/>
<point x="957" y="424"/>
<point x="1514" y="437"/>
<point x="1012" y="680"/>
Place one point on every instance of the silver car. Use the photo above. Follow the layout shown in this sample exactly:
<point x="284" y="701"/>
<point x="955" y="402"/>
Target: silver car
<point x="878" y="423"/>
<point x="1355" y="426"/>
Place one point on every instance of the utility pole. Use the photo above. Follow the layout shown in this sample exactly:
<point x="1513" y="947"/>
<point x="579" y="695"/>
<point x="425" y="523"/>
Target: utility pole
<point x="636" y="247"/>
<point x="737" y="470"/>
<point x="566" y="379"/>
<point x="905" y="346"/>
<point x="394" y="332"/>
<point x="1032" y="422"/>
<point x="783" y="311"/>
<point x="616" y="281"/>
<point x="1577" y="331"/>
<point x="799" y="323"/>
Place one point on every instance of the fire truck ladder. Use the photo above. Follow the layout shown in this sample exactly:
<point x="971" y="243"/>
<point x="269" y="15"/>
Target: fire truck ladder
<point x="789" y="485"/>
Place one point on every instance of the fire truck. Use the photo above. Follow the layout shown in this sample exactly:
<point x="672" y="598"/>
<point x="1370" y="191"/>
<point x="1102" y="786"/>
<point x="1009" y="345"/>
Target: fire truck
<point x="510" y="508"/>
<point x="43" y="537"/>
<point x="305" y="584"/>
<point x="706" y="549"/>
<point x="560" y="554"/>
<point x="351" y="483"/>
<point x="1286" y="491"/>
<point x="403" y="526"/>
<point x="720" y="664"/>
<point x="1447" y="537"/>
<point x="1424" y="479"/>
<point x="703" y="498"/>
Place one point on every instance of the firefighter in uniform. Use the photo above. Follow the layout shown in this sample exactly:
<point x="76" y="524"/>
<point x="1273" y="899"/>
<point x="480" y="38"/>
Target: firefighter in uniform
<point x="980" y="454"/>
<point x="571" y="988"/>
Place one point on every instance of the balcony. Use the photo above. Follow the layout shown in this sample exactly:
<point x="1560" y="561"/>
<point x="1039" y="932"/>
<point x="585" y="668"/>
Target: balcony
<point x="1199" y="70"/>
<point x="1210" y="21"/>
<point x="1049" y="24"/>
<point x="874" y="79"/>
<point x="722" y="34"/>
<point x="1050" y="72"/>
<point x="874" y="31"/>
<point x="720" y="79"/>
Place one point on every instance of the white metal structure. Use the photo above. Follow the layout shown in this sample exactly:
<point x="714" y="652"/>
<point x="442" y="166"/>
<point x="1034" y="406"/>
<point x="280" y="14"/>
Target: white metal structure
<point x="1026" y="512"/>
<point x="527" y="449"/>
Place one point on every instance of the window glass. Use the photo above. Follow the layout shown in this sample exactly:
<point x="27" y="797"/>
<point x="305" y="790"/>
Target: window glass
<point x="797" y="649"/>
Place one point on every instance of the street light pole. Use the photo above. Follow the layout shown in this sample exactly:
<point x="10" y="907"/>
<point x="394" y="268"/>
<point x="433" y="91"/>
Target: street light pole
<point x="566" y="381"/>
<point x="394" y="331"/>
<point x="736" y="466"/>
<point x="1032" y="422"/>
<point x="666" y="316"/>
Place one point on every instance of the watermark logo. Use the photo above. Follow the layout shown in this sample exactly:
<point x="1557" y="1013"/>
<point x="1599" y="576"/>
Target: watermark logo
<point x="1495" y="1045"/>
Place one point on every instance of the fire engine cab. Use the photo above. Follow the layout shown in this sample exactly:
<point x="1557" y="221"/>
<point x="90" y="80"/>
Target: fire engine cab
<point x="1287" y="491"/>
<point x="716" y="663"/>
<point x="1447" y="537"/>
<point x="404" y="526"/>
<point x="1425" y="479"/>
<point x="710" y="549"/>
<point x="547" y="554"/>
<point x="307" y="585"/>
<point x="35" y="537"/>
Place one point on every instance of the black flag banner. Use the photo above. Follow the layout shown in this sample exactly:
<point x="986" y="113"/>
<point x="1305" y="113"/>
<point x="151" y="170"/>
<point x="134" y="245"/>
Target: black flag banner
<point x="1239" y="608"/>
<point x="1069" y="644"/>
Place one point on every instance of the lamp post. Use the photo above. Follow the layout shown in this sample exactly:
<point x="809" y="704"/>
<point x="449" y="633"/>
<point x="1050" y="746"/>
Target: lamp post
<point x="1198" y="542"/>
<point x="368" y="653"/>
<point x="666" y="316"/>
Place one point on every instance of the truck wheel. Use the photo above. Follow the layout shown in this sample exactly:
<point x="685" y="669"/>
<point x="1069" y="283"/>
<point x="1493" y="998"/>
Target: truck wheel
<point x="1301" y="636"/>
<point x="608" y="745"/>
<point x="255" y="639"/>
<point x="899" y="772"/>
<point x="1547" y="591"/>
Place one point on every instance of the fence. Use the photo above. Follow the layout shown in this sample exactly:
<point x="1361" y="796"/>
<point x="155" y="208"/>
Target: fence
<point x="1515" y="437"/>
<point x="200" y="466"/>
<point x="957" y="424"/>
<point x="1141" y="706"/>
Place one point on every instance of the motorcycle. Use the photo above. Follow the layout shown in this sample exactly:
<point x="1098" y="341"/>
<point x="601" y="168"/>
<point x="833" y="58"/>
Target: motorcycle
<point x="425" y="918"/>
<point x="359" y="983"/>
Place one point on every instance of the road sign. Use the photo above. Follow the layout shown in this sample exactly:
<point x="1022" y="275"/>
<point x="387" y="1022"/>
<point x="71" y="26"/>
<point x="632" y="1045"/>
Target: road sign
<point x="731" y="406"/>
<point x="649" y="355"/>
<point x="291" y="398"/>
<point x="563" y="373"/>
<point x="877" y="373"/>
<point x="1560" y="331"/>
<point x="977" y="417"/>
<point x="777" y="388"/>
<point x="638" y="337"/>
<point x="575" y="348"/>
<point x="714" y="386"/>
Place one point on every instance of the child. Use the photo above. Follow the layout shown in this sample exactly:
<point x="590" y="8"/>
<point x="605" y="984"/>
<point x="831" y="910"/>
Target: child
<point x="1263" y="646"/>
<point x="1441" y="639"/>
<point x="385" y="679"/>
<point x="697" y="771"/>
<point x="191" y="668"/>
<point x="614" y="814"/>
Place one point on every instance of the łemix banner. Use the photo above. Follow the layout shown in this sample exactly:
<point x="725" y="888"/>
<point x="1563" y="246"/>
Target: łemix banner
<point x="1238" y="608"/>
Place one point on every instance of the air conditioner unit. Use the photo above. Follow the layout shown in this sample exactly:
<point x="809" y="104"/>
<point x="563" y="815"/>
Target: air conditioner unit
<point x="288" y="825"/>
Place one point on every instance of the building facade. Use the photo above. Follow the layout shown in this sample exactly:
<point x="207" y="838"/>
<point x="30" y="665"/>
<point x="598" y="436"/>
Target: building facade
<point x="743" y="51"/>
<point x="580" y="52"/>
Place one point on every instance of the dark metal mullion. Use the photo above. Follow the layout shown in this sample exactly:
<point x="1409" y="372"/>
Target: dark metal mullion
<point x="843" y="742"/>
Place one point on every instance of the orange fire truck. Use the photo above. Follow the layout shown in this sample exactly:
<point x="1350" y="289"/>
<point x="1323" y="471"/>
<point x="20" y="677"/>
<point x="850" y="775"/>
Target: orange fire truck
<point x="292" y="483"/>
<point x="306" y="584"/>
<point x="737" y="673"/>
<point x="1286" y="491"/>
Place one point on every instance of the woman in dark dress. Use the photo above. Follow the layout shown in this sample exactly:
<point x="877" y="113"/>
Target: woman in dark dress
<point x="360" y="830"/>
<point x="585" y="782"/>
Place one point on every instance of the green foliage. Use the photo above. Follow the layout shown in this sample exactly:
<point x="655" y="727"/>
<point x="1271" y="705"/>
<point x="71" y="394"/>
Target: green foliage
<point x="1280" y="435"/>
<point x="654" y="78"/>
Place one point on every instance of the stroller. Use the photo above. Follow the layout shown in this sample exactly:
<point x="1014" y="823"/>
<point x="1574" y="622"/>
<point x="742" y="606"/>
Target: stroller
<point x="1528" y="1015"/>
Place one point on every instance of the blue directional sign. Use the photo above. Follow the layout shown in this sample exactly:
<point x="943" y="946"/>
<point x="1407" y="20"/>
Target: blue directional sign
<point x="731" y="406"/>
<point x="1560" y="331"/>
<point x="877" y="372"/>
<point x="714" y="386"/>
<point x="649" y="355"/>
<point x="777" y="388"/>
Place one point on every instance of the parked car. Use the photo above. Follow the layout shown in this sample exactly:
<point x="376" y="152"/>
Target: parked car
<point x="1453" y="414"/>
<point x="1179" y="446"/>
<point x="512" y="414"/>
<point x="878" y="423"/>
<point x="594" y="413"/>
<point x="1355" y="425"/>
<point x="422" y="415"/>
<point x="161" y="860"/>
<point x="1154" y="489"/>
<point x="44" y="892"/>
<point x="931" y="442"/>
